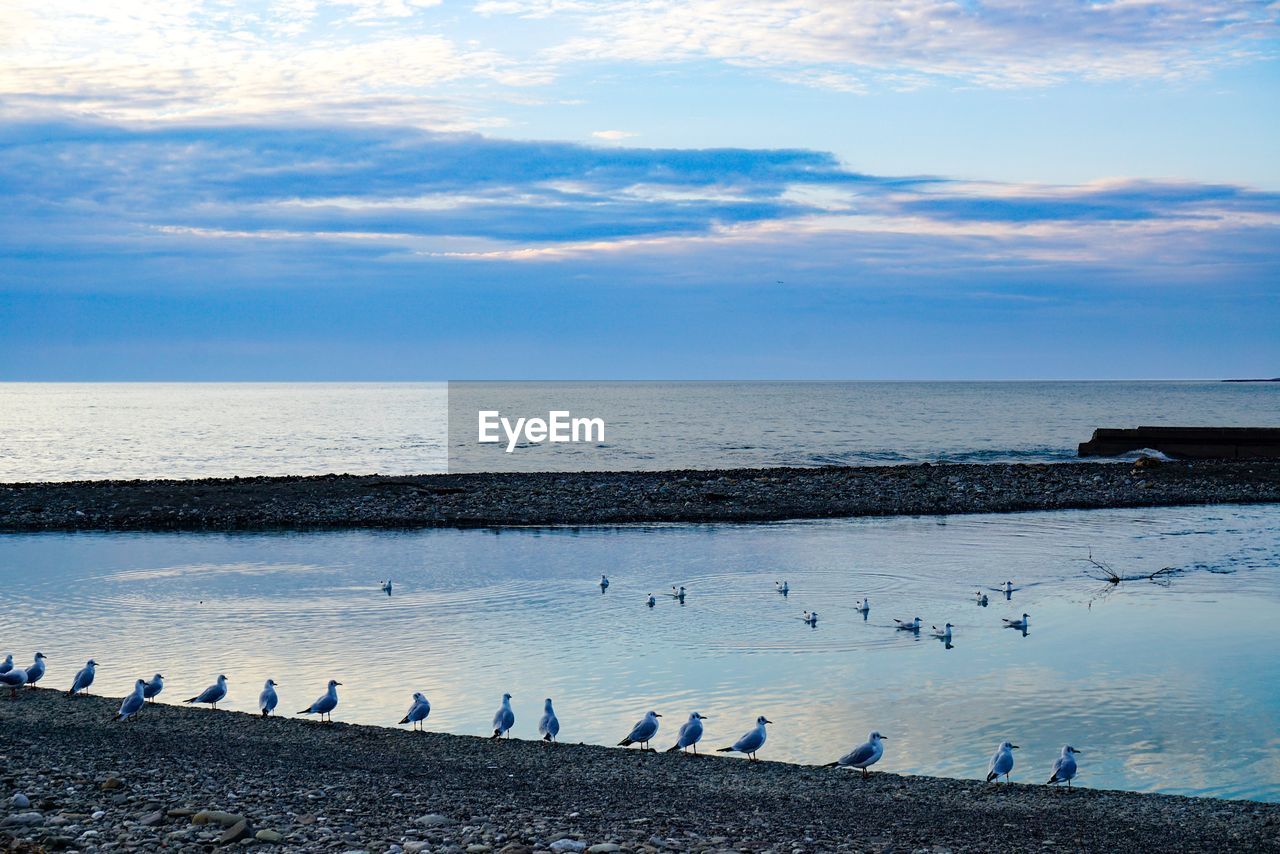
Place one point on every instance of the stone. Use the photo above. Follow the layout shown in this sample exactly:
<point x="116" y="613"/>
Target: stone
<point x="479" y="848"/>
<point x="19" y="801"/>
<point x="566" y="844"/>
<point x="151" y="819"/>
<point x="225" y="819"/>
<point x="111" y="784"/>
<point x="272" y="836"/>
<point x="23" y="819"/>
<point x="434" y="820"/>
<point x="604" y="848"/>
<point x="236" y="832"/>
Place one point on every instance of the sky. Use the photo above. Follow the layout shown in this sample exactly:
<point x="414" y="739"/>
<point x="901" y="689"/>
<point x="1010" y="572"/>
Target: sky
<point x="704" y="189"/>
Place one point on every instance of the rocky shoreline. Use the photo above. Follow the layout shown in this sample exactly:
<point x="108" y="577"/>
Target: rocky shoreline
<point x="195" y="780"/>
<point x="595" y="498"/>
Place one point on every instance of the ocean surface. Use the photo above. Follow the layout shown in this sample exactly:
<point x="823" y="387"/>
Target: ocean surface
<point x="1171" y="687"/>
<point x="68" y="431"/>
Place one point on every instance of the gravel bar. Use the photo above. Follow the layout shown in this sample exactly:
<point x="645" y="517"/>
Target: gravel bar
<point x="193" y="780"/>
<point x="596" y="498"/>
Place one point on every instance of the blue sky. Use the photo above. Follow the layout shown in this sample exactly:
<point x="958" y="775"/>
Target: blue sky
<point x="391" y="189"/>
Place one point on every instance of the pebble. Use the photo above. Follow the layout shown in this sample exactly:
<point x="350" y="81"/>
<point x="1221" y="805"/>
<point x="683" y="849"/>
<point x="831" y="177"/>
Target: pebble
<point x="19" y="801"/>
<point x="567" y="845"/>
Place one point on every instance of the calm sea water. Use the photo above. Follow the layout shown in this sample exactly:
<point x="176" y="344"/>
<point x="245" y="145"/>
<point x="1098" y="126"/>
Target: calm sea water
<point x="84" y="431"/>
<point x="1167" y="688"/>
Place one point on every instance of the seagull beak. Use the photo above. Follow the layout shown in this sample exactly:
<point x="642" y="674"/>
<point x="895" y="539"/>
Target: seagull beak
<point x="766" y="720"/>
<point x="656" y="715"/>
<point x="339" y="683"/>
<point x="1015" y="747"/>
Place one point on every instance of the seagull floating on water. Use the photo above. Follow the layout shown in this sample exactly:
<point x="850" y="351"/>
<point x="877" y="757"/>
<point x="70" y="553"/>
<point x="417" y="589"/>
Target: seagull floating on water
<point x="504" y="719"/>
<point x="14" y="678"/>
<point x="212" y="694"/>
<point x="651" y="601"/>
<point x="1001" y="761"/>
<point x="36" y="671"/>
<point x="943" y="633"/>
<point x="268" y="699"/>
<point x="386" y="587"/>
<point x="325" y="703"/>
<point x="782" y="587"/>
<point x="690" y="734"/>
<point x="418" y="711"/>
<point x="84" y="678"/>
<point x="980" y="598"/>
<point x="1064" y="768"/>
<point x="1022" y="624"/>
<point x="152" y="688"/>
<point x="643" y="732"/>
<point x="133" y="703"/>
<point x="908" y="625"/>
<point x="1007" y="589"/>
<point x="549" y="725"/>
<point x="863" y="756"/>
<point x="811" y="618"/>
<point x="865" y="607"/>
<point x="604" y="582"/>
<point x="752" y="741"/>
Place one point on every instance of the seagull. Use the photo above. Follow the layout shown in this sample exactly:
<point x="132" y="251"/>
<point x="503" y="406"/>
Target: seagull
<point x="84" y="678"/>
<point x="7" y="664"/>
<point x="943" y="633"/>
<point x="811" y="618"/>
<point x="1064" y="768"/>
<point x="1007" y="589"/>
<point x="980" y="598"/>
<point x="549" y="725"/>
<point x="643" y="732"/>
<point x="604" y="582"/>
<point x="1001" y="761"/>
<point x="782" y="587"/>
<point x="908" y="625"/>
<point x="418" y="711"/>
<point x="651" y="601"/>
<point x="325" y="703"/>
<point x="1023" y="624"/>
<point x="386" y="587"/>
<point x="865" y="607"/>
<point x="751" y="741"/>
<point x="36" y="671"/>
<point x="690" y="734"/>
<point x="151" y="689"/>
<point x="268" y="700"/>
<point x="504" y="719"/>
<point x="680" y="594"/>
<point x="863" y="756"/>
<point x="212" y="694"/>
<point x="15" y="679"/>
<point x="133" y="703"/>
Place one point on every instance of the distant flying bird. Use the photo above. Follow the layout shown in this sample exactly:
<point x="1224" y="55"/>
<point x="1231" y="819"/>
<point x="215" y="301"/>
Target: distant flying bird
<point x="643" y="732"/>
<point x="268" y="699"/>
<point x="152" y="688"/>
<point x="690" y="734"/>
<point x="133" y="703"/>
<point x="1023" y="624"/>
<point x="549" y="725"/>
<point x="418" y="711"/>
<point x="213" y="694"/>
<point x="325" y="703"/>
<point x="84" y="678"/>
<point x="752" y="741"/>
<point x="14" y="678"/>
<point x="908" y="625"/>
<point x="36" y="671"/>
<point x="863" y="756"/>
<point x="504" y="719"/>
<point x="1064" y="768"/>
<point x="1001" y="761"/>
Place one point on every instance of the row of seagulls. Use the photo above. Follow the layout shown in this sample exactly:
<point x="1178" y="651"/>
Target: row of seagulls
<point x="15" y="677"/>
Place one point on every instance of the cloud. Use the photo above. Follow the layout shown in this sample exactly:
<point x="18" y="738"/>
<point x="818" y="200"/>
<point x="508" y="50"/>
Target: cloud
<point x="612" y="135"/>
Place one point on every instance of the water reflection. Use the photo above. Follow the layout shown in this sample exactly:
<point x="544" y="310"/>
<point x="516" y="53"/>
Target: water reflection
<point x="299" y="608"/>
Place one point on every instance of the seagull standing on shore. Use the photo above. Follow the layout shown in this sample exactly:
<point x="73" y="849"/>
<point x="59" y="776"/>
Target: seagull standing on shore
<point x="212" y="694"/>
<point x="14" y="678"/>
<point x="7" y="664"/>
<point x="152" y="689"/>
<point x="1064" y="768"/>
<point x="1022" y="625"/>
<point x="643" y="732"/>
<point x="133" y="703"/>
<point x="418" y="711"/>
<point x="863" y="756"/>
<point x="690" y="734"/>
<point x="752" y="741"/>
<point x="325" y="703"/>
<point x="268" y="699"/>
<point x="504" y="719"/>
<point x="549" y="725"/>
<point x="84" y="678"/>
<point x="36" y="671"/>
<point x="908" y="625"/>
<point x="1001" y="762"/>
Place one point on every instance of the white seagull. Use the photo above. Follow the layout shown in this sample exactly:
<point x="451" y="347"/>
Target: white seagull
<point x="1064" y="768"/>
<point x="865" y="607"/>
<point x="980" y="598"/>
<point x="782" y="587"/>
<point x="152" y="688"/>
<point x="1007" y="589"/>
<point x="386" y="587"/>
<point x="212" y="694"/>
<point x="752" y="741"/>
<point x="268" y="699"/>
<point x="36" y="671"/>
<point x="84" y="678"/>
<point x="811" y="618"/>
<point x="604" y="582"/>
<point x="504" y="719"/>
<point x="690" y="734"/>
<point x="908" y="625"/>
<point x="14" y="679"/>
<point x="325" y="703"/>
<point x="652" y="601"/>
<point x="1023" y="624"/>
<point x="133" y="703"/>
<point x="863" y="756"/>
<point x="1001" y="761"/>
<point x="549" y="724"/>
<point x="7" y="664"/>
<point x="943" y="633"/>
<point x="418" y="711"/>
<point x="643" y="732"/>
